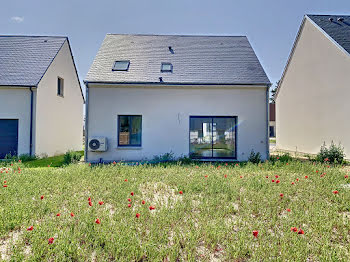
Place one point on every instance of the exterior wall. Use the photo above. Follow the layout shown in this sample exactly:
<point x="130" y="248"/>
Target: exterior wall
<point x="165" y="118"/>
<point x="313" y="99"/>
<point x="15" y="104"/>
<point x="59" y="120"/>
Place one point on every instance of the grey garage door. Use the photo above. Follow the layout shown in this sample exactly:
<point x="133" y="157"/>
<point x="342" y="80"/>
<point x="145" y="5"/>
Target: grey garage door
<point x="8" y="137"/>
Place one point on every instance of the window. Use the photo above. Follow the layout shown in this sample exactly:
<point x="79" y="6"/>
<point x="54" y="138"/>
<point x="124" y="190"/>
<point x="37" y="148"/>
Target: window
<point x="213" y="137"/>
<point x="129" y="131"/>
<point x="121" y="65"/>
<point x="60" y="86"/>
<point x="166" y="67"/>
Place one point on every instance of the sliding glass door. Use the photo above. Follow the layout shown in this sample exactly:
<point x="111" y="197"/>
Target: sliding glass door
<point x="213" y="137"/>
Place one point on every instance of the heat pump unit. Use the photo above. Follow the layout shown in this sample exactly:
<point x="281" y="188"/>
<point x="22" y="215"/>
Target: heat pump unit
<point x="98" y="144"/>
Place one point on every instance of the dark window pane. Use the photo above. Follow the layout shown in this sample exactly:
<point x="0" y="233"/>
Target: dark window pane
<point x="130" y="130"/>
<point x="166" y="67"/>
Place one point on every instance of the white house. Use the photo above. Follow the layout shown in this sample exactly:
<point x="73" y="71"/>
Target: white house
<point x="41" y="101"/>
<point x="200" y="96"/>
<point x="312" y="103"/>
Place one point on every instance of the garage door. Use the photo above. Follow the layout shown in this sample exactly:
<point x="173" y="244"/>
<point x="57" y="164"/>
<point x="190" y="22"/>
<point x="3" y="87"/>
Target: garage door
<point x="8" y="137"/>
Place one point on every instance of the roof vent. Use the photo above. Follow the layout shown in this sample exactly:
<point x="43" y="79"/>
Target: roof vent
<point x="160" y="79"/>
<point x="171" y="49"/>
<point x="340" y="19"/>
<point x="330" y="19"/>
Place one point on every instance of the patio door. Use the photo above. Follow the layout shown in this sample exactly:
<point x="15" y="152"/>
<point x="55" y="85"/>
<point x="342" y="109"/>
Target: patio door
<point x="213" y="137"/>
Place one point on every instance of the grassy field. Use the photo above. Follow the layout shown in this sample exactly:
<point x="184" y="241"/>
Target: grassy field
<point x="212" y="220"/>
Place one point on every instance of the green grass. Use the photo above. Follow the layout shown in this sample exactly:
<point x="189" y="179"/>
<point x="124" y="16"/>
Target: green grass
<point x="213" y="219"/>
<point x="55" y="161"/>
<point x="273" y="140"/>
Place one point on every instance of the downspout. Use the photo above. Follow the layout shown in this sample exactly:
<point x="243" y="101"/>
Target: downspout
<point x="267" y="122"/>
<point x="31" y="122"/>
<point x="86" y="120"/>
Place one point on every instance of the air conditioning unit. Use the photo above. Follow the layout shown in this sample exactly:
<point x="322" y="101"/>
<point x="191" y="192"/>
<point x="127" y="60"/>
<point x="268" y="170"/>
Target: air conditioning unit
<point x="98" y="144"/>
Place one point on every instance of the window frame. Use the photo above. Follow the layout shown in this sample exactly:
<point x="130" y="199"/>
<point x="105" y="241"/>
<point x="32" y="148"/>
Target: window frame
<point x="115" y="62"/>
<point x="166" y="71"/>
<point x="212" y="117"/>
<point x="138" y="145"/>
<point x="60" y="87"/>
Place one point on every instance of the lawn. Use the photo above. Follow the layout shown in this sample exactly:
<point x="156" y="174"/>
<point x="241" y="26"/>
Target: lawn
<point x="212" y="220"/>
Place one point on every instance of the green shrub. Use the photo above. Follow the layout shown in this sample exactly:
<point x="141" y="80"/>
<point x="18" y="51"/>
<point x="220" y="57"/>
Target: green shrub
<point x="334" y="154"/>
<point x="27" y="157"/>
<point x="71" y="157"/>
<point x="254" y="157"/>
<point x="167" y="157"/>
<point x="281" y="158"/>
<point x="10" y="157"/>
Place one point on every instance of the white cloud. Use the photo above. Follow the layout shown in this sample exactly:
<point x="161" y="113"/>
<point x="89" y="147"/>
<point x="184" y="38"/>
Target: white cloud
<point x="17" y="19"/>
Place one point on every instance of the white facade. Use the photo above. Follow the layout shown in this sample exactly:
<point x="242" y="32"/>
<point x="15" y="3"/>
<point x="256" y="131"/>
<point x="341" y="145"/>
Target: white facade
<point x="312" y="104"/>
<point x="165" y="114"/>
<point x="15" y="104"/>
<point x="57" y="121"/>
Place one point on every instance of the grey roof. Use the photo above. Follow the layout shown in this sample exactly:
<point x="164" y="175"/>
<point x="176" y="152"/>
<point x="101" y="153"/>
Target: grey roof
<point x="338" y="30"/>
<point x="25" y="59"/>
<point x="195" y="60"/>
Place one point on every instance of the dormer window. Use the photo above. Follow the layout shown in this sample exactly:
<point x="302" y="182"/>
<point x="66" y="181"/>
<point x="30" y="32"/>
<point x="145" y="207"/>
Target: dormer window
<point x="121" y="65"/>
<point x="166" y="67"/>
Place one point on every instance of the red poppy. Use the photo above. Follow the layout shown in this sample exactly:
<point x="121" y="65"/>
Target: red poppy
<point x="143" y="202"/>
<point x="281" y="195"/>
<point x="298" y="179"/>
<point x="137" y="215"/>
<point x="125" y="180"/>
<point x="114" y="163"/>
<point x="30" y="228"/>
<point x="301" y="232"/>
<point x="225" y="176"/>
<point x="129" y="205"/>
<point x="129" y="199"/>
<point x="89" y="164"/>
<point x="132" y="193"/>
<point x="58" y="214"/>
<point x="293" y="229"/>
<point x="5" y="185"/>
<point x="90" y="203"/>
<point x="346" y="176"/>
<point x="19" y="161"/>
<point x="42" y="197"/>
<point x="51" y="239"/>
<point x="335" y="192"/>
<point x="237" y="165"/>
<point x="180" y="192"/>
<point x="287" y="164"/>
<point x="273" y="181"/>
<point x="97" y="221"/>
<point x="5" y="182"/>
<point x="72" y="214"/>
<point x="267" y="176"/>
<point x="205" y="176"/>
<point x="278" y="157"/>
<point x="240" y="177"/>
<point x="276" y="176"/>
<point x="11" y="164"/>
<point x="288" y="210"/>
<point x="277" y="181"/>
<point x="152" y="207"/>
<point x="226" y="164"/>
<point x="100" y="203"/>
<point x="306" y="177"/>
<point x="48" y="165"/>
<point x="328" y="166"/>
<point x="292" y="183"/>
<point x="316" y="171"/>
<point x="255" y="233"/>
<point x="196" y="166"/>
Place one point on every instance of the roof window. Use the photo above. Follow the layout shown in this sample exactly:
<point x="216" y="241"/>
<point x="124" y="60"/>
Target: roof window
<point x="121" y="65"/>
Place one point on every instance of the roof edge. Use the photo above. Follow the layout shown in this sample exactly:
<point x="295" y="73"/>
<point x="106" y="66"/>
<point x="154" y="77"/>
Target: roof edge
<point x="182" y="35"/>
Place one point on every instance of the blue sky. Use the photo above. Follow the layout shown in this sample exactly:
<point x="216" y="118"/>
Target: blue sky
<point x="271" y="25"/>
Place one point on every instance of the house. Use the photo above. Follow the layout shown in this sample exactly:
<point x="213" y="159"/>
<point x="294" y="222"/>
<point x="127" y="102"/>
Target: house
<point x="272" y="120"/>
<point x="205" y="97"/>
<point x="41" y="101"/>
<point x="312" y="102"/>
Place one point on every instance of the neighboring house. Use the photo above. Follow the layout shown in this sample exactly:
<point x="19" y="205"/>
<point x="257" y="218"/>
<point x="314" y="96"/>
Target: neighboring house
<point x="41" y="101"/>
<point x="200" y="96"/>
<point x="313" y="96"/>
<point x="272" y="120"/>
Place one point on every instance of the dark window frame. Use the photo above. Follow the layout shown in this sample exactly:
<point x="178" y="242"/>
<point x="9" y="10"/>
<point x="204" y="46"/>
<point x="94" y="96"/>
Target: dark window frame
<point x="135" y="145"/>
<point x="60" y="86"/>
<point x="115" y="62"/>
<point x="212" y="117"/>
<point x="166" y="71"/>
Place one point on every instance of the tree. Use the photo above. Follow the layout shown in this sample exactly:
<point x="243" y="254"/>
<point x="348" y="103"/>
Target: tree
<point x="273" y="93"/>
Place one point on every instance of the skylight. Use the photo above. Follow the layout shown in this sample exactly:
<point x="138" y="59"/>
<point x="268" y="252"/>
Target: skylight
<point x="121" y="65"/>
<point x="166" y="67"/>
